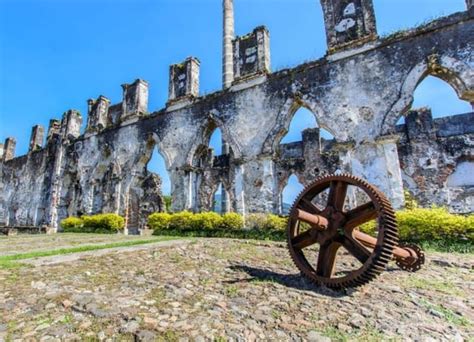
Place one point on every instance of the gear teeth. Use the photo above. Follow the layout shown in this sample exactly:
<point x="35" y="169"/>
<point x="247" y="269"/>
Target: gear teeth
<point x="387" y="231"/>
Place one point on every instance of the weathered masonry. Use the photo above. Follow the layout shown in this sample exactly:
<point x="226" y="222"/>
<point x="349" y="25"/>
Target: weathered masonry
<point x="358" y="92"/>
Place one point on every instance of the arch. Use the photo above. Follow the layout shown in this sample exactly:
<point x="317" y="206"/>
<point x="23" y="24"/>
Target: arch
<point x="203" y="137"/>
<point x="289" y="192"/>
<point x="157" y="164"/>
<point x="284" y="118"/>
<point x="215" y="142"/>
<point x="301" y="120"/>
<point x="457" y="74"/>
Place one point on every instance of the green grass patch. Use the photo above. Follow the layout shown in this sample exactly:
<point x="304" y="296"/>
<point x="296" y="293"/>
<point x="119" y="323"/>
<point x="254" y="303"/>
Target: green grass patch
<point x="448" y="246"/>
<point x="447" y="314"/>
<point x="253" y="234"/>
<point x="8" y="261"/>
<point x="442" y="286"/>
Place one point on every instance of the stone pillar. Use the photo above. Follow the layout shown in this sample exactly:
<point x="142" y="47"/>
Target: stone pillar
<point x="225" y="205"/>
<point x="71" y="124"/>
<point x="239" y="188"/>
<point x="135" y="100"/>
<point x="378" y="163"/>
<point x="9" y="149"/>
<point x="36" y="139"/>
<point x="54" y="128"/>
<point x="419" y="124"/>
<point x="252" y="54"/>
<point x="228" y="36"/>
<point x="97" y="114"/>
<point x="348" y="22"/>
<point x="1" y="151"/>
<point x="184" y="79"/>
<point x="469" y="4"/>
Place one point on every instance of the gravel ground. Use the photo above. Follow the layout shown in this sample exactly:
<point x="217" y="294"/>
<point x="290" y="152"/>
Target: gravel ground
<point x="224" y="289"/>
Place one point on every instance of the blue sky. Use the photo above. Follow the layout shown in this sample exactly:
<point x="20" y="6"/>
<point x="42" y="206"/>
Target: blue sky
<point x="55" y="54"/>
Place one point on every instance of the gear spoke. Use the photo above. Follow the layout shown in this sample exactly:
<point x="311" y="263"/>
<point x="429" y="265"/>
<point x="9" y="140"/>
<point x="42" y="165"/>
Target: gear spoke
<point x="307" y="205"/>
<point x="360" y="215"/>
<point x="356" y="249"/>
<point x="327" y="258"/>
<point x="337" y="195"/>
<point x="305" y="239"/>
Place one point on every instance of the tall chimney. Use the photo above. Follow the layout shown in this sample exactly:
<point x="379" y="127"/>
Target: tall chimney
<point x="227" y="51"/>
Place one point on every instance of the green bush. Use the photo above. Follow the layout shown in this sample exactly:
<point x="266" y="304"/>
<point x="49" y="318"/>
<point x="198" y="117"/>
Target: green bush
<point x="274" y="222"/>
<point x="71" y="224"/>
<point x="435" y="227"/>
<point x="112" y="222"/>
<point x="206" y="221"/>
<point x="181" y="221"/>
<point x="420" y="224"/>
<point x="232" y="221"/>
<point x="100" y="223"/>
<point x="159" y="221"/>
<point x="255" y="221"/>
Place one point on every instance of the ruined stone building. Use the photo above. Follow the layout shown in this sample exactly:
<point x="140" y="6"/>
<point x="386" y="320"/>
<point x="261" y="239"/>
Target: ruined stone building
<point x="358" y="91"/>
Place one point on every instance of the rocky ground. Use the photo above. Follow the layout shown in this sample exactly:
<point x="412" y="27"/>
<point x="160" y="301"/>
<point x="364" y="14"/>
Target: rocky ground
<point x="223" y="289"/>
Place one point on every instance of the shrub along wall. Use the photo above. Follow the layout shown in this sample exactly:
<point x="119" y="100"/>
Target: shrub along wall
<point x="434" y="227"/>
<point x="210" y="224"/>
<point x="100" y="223"/>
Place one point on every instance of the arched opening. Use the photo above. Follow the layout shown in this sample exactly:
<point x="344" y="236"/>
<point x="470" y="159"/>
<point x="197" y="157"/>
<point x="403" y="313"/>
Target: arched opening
<point x="430" y="118"/>
<point x="216" y="142"/>
<point x="157" y="166"/>
<point x="210" y="159"/>
<point x="304" y="127"/>
<point x="302" y="119"/>
<point x="289" y="194"/>
<point x="439" y="97"/>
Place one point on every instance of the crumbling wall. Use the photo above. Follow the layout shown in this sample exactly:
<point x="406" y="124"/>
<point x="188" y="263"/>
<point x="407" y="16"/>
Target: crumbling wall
<point x="437" y="159"/>
<point x="358" y="91"/>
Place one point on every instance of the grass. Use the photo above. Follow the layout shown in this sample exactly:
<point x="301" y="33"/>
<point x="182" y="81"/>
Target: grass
<point x="447" y="314"/>
<point x="448" y="246"/>
<point x="253" y="234"/>
<point x="443" y="286"/>
<point x="9" y="261"/>
<point x="444" y="246"/>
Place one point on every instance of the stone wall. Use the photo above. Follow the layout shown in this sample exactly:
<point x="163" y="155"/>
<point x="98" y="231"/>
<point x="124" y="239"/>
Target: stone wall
<point x="358" y="92"/>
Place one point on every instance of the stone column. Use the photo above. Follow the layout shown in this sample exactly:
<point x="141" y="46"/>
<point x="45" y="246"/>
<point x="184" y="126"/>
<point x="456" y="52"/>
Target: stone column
<point x="135" y="100"/>
<point x="469" y="4"/>
<point x="239" y="187"/>
<point x="348" y="22"/>
<point x="228" y="36"/>
<point x="377" y="163"/>
<point x="184" y="79"/>
<point x="71" y="124"/>
<point x="9" y="149"/>
<point x="54" y="128"/>
<point x="2" y="149"/>
<point x="36" y="139"/>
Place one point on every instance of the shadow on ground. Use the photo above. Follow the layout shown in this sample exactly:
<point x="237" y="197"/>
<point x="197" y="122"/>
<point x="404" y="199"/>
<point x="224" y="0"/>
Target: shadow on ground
<point x="296" y="280"/>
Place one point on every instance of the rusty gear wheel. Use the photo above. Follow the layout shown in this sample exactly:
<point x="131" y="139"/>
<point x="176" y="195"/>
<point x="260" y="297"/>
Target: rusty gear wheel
<point x="323" y="205"/>
<point x="414" y="263"/>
